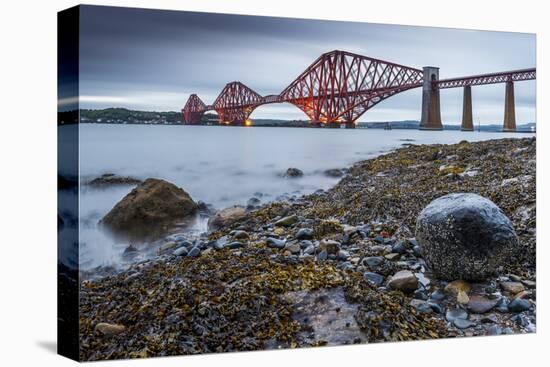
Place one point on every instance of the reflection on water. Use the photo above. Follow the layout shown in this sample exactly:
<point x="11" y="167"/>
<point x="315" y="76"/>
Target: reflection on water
<point x="222" y="166"/>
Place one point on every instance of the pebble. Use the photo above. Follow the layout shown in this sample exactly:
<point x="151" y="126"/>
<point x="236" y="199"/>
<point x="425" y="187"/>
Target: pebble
<point x="181" y="251"/>
<point x="234" y="245"/>
<point x="275" y="243"/>
<point x="436" y="307"/>
<point x="310" y="250"/>
<point x="392" y="256"/>
<point x="437" y="295"/>
<point x="462" y="323"/>
<point x="512" y="287"/>
<point x="399" y="247"/>
<point x="109" y="329"/>
<point x="287" y="221"/>
<point x="323" y="255"/>
<point x="421" y="306"/>
<point x="240" y="235"/>
<point x="343" y="255"/>
<point x="480" y="304"/>
<point x="293" y="248"/>
<point x="519" y="305"/>
<point x="529" y="283"/>
<point x="420" y="294"/>
<point x="457" y="286"/>
<point x="373" y="261"/>
<point x="404" y="280"/>
<point x="374" y="278"/>
<point x="456" y="313"/>
<point x="304" y="234"/>
<point x="332" y="247"/>
<point x="195" y="251"/>
<point x="494" y="330"/>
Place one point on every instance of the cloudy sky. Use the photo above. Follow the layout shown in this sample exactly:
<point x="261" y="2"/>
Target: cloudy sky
<point x="152" y="60"/>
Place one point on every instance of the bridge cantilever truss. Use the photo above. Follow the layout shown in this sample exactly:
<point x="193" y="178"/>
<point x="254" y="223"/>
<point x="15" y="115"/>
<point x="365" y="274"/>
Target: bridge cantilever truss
<point x="340" y="86"/>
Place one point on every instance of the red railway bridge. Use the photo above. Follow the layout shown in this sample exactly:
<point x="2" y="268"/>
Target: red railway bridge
<point x="338" y="87"/>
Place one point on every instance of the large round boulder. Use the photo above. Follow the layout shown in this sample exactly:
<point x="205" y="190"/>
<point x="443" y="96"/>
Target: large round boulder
<point x="465" y="236"/>
<point x="153" y="203"/>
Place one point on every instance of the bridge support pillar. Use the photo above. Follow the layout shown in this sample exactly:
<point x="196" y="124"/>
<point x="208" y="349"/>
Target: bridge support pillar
<point x="509" y="108"/>
<point x="333" y="125"/>
<point x="350" y="125"/>
<point x="431" y="112"/>
<point x="467" y="117"/>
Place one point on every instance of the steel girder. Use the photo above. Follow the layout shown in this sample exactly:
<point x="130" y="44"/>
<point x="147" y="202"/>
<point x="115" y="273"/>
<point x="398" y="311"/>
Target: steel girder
<point x="193" y="110"/>
<point x="493" y="78"/>
<point x="340" y="86"/>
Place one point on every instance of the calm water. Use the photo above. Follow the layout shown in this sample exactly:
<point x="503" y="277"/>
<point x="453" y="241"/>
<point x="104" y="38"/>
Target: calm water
<point x="223" y="165"/>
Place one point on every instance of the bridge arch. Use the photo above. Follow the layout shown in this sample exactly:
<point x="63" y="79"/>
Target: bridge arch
<point x="281" y="106"/>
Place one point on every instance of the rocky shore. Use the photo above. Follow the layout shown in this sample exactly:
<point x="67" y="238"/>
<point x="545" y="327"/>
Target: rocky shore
<point x="336" y="267"/>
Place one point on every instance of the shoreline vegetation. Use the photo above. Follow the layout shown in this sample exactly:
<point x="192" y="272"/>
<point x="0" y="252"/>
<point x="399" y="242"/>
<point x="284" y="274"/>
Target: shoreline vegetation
<point x="340" y="266"/>
<point x="132" y="117"/>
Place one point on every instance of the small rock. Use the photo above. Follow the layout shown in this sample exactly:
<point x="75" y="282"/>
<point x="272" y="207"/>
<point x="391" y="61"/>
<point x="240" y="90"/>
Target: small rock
<point x="519" y="305"/>
<point x="373" y="261"/>
<point x="342" y="255"/>
<point x="399" y="247"/>
<point x="462" y="323"/>
<point x="374" y="278"/>
<point x="436" y="307"/>
<point x="293" y="248"/>
<point x="421" y="306"/>
<point x="323" y="255"/>
<point x="404" y="280"/>
<point x="512" y="287"/>
<point x="437" y="295"/>
<point x="293" y="173"/>
<point x="456" y="286"/>
<point x="462" y="298"/>
<point x="180" y="251"/>
<point x="234" y="245"/>
<point x="332" y="247"/>
<point x="529" y="283"/>
<point x="494" y="330"/>
<point x="195" y="251"/>
<point x="109" y="329"/>
<point x="456" y="313"/>
<point x="480" y="304"/>
<point x="287" y="221"/>
<point x="310" y="250"/>
<point x="420" y="294"/>
<point x="392" y="256"/>
<point x="334" y="172"/>
<point x="240" y="235"/>
<point x="304" y="234"/>
<point x="275" y="243"/>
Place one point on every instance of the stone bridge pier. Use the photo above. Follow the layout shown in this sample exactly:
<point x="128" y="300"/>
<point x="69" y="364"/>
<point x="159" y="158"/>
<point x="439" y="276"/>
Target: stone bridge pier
<point x="431" y="111"/>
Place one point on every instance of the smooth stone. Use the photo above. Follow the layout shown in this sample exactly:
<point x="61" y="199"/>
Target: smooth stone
<point x="293" y="172"/>
<point x="109" y="329"/>
<point x="194" y="252"/>
<point x="421" y="306"/>
<point x="465" y="236"/>
<point x="494" y="330"/>
<point x="437" y="295"/>
<point x="456" y="286"/>
<point x="331" y="246"/>
<point x="392" y="256"/>
<point x="399" y="247"/>
<point x="373" y="261"/>
<point x="342" y="255"/>
<point x="275" y="243"/>
<point x="240" y="235"/>
<point x="420" y="294"/>
<point x="323" y="255"/>
<point x="374" y="278"/>
<point x="293" y="248"/>
<point x="512" y="287"/>
<point x="234" y="245"/>
<point x="286" y="221"/>
<point x="480" y="304"/>
<point x="519" y="305"/>
<point x="456" y="313"/>
<point x="404" y="280"/>
<point x="304" y="234"/>
<point x="436" y="307"/>
<point x="181" y="251"/>
<point x="462" y="298"/>
<point x="310" y="250"/>
<point x="463" y="323"/>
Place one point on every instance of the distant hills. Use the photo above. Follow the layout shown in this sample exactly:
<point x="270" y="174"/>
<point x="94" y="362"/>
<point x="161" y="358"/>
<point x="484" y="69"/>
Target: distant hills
<point x="127" y="116"/>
